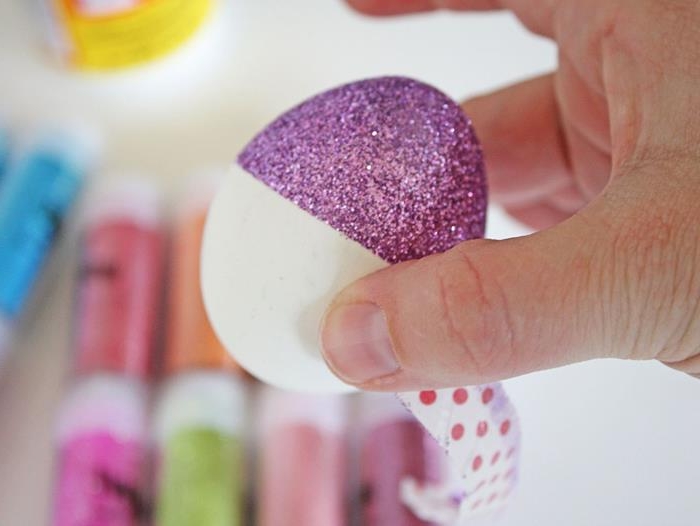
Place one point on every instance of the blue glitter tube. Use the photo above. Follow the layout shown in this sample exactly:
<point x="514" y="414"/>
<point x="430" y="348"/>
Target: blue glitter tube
<point x="36" y="197"/>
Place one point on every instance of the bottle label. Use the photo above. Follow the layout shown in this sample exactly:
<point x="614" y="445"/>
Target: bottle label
<point x="201" y="479"/>
<point x="100" y="482"/>
<point x="109" y="34"/>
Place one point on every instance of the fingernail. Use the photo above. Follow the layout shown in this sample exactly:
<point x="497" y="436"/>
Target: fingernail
<point x="356" y="343"/>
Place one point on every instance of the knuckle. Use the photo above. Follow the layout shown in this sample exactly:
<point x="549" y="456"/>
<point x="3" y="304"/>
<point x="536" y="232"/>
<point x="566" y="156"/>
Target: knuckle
<point x="474" y="313"/>
<point x="655" y="285"/>
<point x="638" y="25"/>
<point x="599" y="23"/>
<point x="683" y="341"/>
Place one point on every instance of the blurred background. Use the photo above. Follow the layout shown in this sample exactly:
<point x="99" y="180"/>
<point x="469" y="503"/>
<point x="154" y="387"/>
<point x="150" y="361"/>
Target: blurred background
<point x="605" y="443"/>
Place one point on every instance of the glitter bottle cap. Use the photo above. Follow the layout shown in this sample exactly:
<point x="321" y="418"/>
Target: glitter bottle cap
<point x="126" y="198"/>
<point x="192" y="343"/>
<point x="103" y="404"/>
<point x="74" y="139"/>
<point x="201" y="400"/>
<point x="280" y="409"/>
<point x="350" y="181"/>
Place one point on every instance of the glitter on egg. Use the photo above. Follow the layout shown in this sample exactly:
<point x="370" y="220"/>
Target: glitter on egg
<point x="392" y="163"/>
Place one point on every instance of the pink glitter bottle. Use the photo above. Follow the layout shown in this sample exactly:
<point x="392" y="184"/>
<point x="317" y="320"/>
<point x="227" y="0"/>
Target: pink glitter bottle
<point x="103" y="423"/>
<point x="303" y="460"/>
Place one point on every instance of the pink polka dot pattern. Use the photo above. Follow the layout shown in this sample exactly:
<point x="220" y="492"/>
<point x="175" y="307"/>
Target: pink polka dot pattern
<point x="428" y="397"/>
<point x="460" y="396"/>
<point x="505" y="427"/>
<point x="457" y="431"/>
<point x="482" y="441"/>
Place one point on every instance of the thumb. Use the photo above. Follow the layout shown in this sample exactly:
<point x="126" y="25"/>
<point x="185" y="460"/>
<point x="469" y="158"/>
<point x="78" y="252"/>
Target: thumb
<point x="482" y="311"/>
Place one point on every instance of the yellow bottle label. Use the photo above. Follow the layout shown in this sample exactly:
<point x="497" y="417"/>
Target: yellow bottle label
<point x="109" y="34"/>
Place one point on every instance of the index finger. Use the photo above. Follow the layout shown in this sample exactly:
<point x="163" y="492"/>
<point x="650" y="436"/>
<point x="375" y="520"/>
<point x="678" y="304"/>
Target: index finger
<point x="537" y="15"/>
<point x="400" y="7"/>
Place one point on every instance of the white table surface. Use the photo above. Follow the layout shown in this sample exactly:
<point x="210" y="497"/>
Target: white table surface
<point x="606" y="443"/>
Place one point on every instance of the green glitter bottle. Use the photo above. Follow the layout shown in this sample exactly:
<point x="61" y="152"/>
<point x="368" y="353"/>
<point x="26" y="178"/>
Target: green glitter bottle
<point x="201" y="413"/>
<point x="201" y="454"/>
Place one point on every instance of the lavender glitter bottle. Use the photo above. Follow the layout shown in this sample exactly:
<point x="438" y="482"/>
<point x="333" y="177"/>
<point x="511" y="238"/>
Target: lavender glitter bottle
<point x="362" y="176"/>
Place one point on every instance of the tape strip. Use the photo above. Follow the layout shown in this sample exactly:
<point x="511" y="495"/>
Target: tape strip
<point x="479" y="430"/>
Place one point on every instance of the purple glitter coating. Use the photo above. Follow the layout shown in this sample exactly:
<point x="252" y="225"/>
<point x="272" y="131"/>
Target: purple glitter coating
<point x="392" y="163"/>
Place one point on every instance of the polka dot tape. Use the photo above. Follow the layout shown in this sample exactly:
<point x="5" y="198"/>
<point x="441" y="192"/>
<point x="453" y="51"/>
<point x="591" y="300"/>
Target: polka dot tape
<point x="478" y="428"/>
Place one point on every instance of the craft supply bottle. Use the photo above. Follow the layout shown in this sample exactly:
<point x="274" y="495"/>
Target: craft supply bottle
<point x="303" y="459"/>
<point x="201" y="411"/>
<point x="112" y="34"/>
<point x="37" y="196"/>
<point x="103" y="433"/>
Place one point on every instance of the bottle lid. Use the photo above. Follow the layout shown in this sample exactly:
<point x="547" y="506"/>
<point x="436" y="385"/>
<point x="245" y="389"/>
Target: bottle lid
<point x="75" y="140"/>
<point x="191" y="341"/>
<point x="105" y="404"/>
<point x="212" y="400"/>
<point x="280" y="409"/>
<point x="124" y="197"/>
<point x="120" y="281"/>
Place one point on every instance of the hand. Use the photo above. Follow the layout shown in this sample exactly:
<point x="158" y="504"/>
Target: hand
<point x="604" y="156"/>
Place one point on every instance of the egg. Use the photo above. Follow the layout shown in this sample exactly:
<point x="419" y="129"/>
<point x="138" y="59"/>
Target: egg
<point x="359" y="177"/>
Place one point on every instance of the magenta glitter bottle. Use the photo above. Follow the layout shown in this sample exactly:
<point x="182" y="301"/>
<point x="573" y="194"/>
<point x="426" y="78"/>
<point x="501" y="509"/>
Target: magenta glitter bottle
<point x="393" y="448"/>
<point x="103" y="428"/>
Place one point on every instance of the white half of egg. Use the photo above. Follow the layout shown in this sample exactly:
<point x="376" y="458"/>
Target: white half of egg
<point x="269" y="270"/>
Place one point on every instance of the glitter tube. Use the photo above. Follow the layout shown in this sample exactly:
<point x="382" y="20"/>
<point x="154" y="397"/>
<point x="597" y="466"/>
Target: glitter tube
<point x="201" y="462"/>
<point x="103" y="434"/>
<point x="303" y="461"/>
<point x="192" y="343"/>
<point x="201" y="411"/>
<point x="393" y="447"/>
<point x="37" y="195"/>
